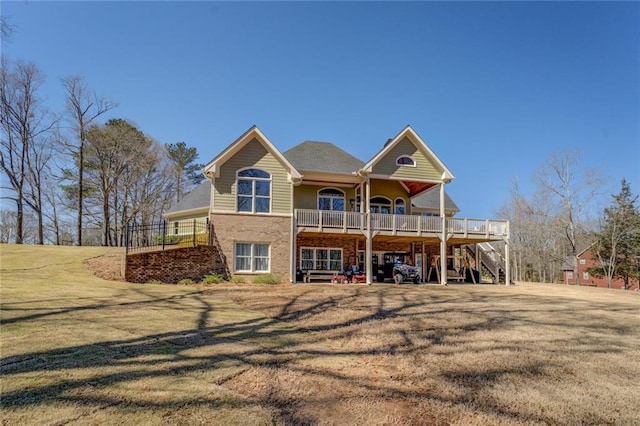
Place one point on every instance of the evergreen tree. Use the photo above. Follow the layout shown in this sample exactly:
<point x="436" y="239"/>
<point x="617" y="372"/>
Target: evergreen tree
<point x="617" y="245"/>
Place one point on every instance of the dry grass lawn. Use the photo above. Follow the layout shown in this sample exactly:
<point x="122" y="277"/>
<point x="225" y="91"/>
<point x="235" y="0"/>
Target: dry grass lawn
<point x="78" y="349"/>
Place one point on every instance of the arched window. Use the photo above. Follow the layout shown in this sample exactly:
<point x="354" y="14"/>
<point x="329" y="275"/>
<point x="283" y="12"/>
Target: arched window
<point x="405" y="161"/>
<point x="254" y="191"/>
<point x="380" y="205"/>
<point x="331" y="199"/>
<point x="400" y="206"/>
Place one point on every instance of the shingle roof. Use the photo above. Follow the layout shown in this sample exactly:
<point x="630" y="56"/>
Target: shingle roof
<point x="430" y="199"/>
<point x="314" y="156"/>
<point x="200" y="197"/>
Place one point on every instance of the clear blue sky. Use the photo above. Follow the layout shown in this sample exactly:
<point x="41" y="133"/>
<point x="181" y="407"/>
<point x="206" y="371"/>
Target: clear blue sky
<point x="493" y="87"/>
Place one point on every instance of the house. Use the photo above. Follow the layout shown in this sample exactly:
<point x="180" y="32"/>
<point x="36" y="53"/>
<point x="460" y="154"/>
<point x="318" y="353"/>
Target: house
<point x="316" y="207"/>
<point x="587" y="259"/>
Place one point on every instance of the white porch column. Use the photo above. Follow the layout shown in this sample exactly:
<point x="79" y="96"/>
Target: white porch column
<point x="443" y="239"/>
<point x="369" y="246"/>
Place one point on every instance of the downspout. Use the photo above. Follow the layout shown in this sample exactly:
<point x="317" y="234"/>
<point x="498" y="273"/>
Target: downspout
<point x="443" y="239"/>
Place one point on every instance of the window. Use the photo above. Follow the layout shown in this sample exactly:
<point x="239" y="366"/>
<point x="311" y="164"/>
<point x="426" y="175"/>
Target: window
<point x="585" y="276"/>
<point x="380" y="205"/>
<point x="399" y="206"/>
<point x="252" y="257"/>
<point x="331" y="199"/>
<point x="570" y="275"/>
<point x="583" y="261"/>
<point x="405" y="161"/>
<point x="321" y="258"/>
<point x="176" y="226"/>
<point x="254" y="191"/>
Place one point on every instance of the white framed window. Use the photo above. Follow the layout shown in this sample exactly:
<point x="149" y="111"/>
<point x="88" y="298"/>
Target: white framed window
<point x="400" y="206"/>
<point x="583" y="261"/>
<point x="570" y="275"/>
<point x="585" y="275"/>
<point x="405" y="161"/>
<point x="254" y="191"/>
<point x="328" y="258"/>
<point x="331" y="199"/>
<point x="252" y="257"/>
<point x="380" y="205"/>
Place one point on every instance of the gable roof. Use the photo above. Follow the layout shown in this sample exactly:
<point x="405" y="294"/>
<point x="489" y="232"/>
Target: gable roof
<point x="198" y="199"/>
<point x="430" y="199"/>
<point x="213" y="167"/>
<point x="417" y="141"/>
<point x="322" y="157"/>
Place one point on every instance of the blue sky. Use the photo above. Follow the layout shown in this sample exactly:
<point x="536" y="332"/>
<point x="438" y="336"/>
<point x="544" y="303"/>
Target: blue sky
<point x="494" y="88"/>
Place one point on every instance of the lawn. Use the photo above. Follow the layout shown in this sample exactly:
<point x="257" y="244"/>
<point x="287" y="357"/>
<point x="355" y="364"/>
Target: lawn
<point x="77" y="349"/>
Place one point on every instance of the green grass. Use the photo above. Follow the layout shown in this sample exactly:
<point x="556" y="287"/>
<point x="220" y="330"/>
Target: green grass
<point x="78" y="349"/>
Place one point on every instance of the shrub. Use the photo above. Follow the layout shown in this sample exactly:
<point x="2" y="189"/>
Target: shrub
<point x="154" y="281"/>
<point x="266" y="279"/>
<point x="237" y="280"/>
<point x="212" y="279"/>
<point x="185" y="281"/>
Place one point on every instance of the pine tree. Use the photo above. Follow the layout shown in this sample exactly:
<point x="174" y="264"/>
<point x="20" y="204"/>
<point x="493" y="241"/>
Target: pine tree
<point x="617" y="245"/>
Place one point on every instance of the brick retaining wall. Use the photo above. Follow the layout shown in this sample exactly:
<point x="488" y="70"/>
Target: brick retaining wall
<point x="171" y="266"/>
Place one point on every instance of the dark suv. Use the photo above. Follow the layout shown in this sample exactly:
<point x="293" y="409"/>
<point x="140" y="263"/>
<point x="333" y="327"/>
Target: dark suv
<point x="399" y="261"/>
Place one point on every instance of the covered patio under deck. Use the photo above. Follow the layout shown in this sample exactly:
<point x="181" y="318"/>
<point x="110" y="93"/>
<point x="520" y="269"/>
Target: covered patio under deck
<point x="425" y="238"/>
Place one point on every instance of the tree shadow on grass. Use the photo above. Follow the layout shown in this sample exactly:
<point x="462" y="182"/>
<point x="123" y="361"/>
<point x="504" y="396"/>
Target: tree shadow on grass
<point x="294" y="341"/>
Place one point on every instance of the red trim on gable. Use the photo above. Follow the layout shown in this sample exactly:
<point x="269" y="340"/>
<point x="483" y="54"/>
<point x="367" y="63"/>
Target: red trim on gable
<point x="416" y="188"/>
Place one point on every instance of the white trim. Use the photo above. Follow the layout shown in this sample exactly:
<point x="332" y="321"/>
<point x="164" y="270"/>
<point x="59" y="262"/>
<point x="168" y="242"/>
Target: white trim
<point x="404" y="205"/>
<point x="253" y="195"/>
<point x="344" y="198"/>
<point x="189" y="212"/>
<point x="233" y="212"/>
<point x="213" y="167"/>
<point x="414" y="164"/>
<point x="252" y="257"/>
<point x="315" y="258"/>
<point x="417" y="141"/>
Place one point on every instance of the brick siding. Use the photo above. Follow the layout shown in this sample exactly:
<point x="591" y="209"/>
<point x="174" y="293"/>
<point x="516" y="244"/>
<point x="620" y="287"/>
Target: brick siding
<point x="273" y="230"/>
<point x="172" y="265"/>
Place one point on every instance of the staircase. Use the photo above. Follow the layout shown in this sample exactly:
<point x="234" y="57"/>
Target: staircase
<point x="492" y="262"/>
<point x="220" y="261"/>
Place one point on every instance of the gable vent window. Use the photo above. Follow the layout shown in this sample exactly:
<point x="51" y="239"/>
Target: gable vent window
<point x="405" y="161"/>
<point x="254" y="191"/>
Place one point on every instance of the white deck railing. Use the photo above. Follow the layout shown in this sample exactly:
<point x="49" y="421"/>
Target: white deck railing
<point x="332" y="222"/>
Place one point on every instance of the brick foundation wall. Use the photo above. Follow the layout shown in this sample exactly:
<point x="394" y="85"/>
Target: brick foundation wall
<point x="274" y="230"/>
<point x="172" y="265"/>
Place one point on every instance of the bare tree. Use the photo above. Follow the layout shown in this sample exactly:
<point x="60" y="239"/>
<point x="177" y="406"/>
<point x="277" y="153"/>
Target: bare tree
<point x="573" y="188"/>
<point x="83" y="108"/>
<point x="24" y="124"/>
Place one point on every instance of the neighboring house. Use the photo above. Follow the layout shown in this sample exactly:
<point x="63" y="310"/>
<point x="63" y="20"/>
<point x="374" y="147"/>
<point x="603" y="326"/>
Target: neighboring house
<point x="316" y="207"/>
<point x="587" y="259"/>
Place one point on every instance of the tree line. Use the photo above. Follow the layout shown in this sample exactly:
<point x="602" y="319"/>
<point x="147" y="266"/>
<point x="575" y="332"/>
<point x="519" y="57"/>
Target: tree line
<point x="69" y="171"/>
<point x="555" y="222"/>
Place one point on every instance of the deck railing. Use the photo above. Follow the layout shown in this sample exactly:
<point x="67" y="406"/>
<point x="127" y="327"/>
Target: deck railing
<point x="333" y="221"/>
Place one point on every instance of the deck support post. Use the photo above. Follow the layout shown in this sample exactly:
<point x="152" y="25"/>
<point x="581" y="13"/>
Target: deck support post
<point x="369" y="246"/>
<point x="443" y="239"/>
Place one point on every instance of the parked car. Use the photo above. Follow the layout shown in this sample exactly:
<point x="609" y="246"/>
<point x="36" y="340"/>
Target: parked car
<point x="399" y="261"/>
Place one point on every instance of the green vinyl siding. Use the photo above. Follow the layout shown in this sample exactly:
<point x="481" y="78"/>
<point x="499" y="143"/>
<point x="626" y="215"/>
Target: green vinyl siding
<point x="252" y="155"/>
<point x="425" y="167"/>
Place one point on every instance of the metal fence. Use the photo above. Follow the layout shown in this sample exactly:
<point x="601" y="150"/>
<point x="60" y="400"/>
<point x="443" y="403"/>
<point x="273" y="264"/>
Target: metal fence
<point x="164" y="235"/>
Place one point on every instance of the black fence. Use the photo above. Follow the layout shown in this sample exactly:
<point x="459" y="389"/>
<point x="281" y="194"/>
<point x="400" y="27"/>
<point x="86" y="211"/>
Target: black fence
<point x="164" y="235"/>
